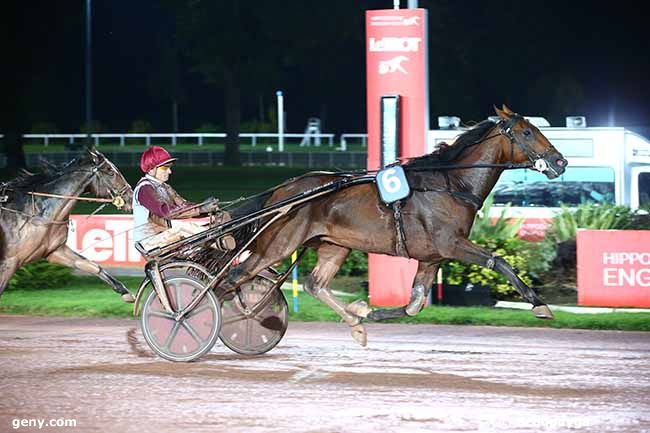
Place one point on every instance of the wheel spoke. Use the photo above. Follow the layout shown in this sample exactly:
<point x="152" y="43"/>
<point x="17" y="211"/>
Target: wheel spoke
<point x="172" y="335"/>
<point x="193" y="332"/>
<point x="233" y="319"/>
<point x="179" y="307"/>
<point x="265" y="313"/>
<point x="249" y="333"/>
<point x="266" y="300"/>
<point x="162" y="314"/>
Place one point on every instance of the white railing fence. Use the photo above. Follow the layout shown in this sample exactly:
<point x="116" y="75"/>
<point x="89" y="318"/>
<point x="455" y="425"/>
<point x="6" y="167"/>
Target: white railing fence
<point x="199" y="138"/>
<point x="346" y="136"/>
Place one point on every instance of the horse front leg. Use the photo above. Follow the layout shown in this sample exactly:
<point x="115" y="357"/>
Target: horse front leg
<point x="422" y="284"/>
<point x="469" y="252"/>
<point x="67" y="257"/>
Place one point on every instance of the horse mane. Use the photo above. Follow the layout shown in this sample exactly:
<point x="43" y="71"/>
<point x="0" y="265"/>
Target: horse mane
<point x="46" y="172"/>
<point x="446" y="153"/>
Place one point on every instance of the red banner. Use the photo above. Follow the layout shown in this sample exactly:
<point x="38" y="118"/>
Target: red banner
<point x="397" y="64"/>
<point x="613" y="268"/>
<point x="105" y="239"/>
<point x="534" y="229"/>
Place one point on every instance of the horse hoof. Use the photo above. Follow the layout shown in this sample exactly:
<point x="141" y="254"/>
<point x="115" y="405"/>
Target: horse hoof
<point x="543" y="312"/>
<point x="359" y="308"/>
<point x="128" y="298"/>
<point x="359" y="334"/>
<point x="412" y="310"/>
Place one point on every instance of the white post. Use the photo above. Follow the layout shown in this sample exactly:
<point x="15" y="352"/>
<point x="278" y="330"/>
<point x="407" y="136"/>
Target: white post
<point x="395" y="4"/>
<point x="280" y="120"/>
<point x="413" y="4"/>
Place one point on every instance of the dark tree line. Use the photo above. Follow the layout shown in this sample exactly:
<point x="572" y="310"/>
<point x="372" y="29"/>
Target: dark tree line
<point x="156" y="58"/>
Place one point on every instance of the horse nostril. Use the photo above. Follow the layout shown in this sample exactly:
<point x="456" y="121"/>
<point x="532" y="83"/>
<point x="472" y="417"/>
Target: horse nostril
<point x="561" y="162"/>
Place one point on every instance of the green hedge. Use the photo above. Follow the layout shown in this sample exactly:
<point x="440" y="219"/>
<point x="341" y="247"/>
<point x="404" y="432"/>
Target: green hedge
<point x="529" y="259"/>
<point x="355" y="265"/>
<point x="40" y="275"/>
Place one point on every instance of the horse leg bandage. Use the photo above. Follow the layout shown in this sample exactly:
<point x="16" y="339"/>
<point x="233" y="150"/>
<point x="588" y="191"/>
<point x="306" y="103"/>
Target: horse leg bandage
<point x="417" y="300"/>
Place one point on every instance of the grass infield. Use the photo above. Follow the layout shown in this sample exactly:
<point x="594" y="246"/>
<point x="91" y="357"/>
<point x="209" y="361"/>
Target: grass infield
<point x="89" y="297"/>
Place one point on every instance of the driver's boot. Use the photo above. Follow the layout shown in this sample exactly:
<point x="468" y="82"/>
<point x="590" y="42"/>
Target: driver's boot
<point x="225" y="243"/>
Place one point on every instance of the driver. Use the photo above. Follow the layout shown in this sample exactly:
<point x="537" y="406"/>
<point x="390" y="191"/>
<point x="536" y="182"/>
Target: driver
<point x="155" y="204"/>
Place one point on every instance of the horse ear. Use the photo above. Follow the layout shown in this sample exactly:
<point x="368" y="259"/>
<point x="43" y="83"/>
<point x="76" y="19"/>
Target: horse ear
<point x="502" y="114"/>
<point x="94" y="154"/>
<point x="507" y="110"/>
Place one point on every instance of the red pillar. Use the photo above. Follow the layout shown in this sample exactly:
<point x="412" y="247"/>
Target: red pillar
<point x="397" y="64"/>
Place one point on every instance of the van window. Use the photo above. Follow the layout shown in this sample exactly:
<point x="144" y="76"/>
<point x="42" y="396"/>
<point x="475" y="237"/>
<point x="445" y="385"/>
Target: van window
<point x="644" y="190"/>
<point x="577" y="185"/>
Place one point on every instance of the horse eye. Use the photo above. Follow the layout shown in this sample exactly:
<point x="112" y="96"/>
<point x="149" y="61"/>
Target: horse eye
<point x="528" y="133"/>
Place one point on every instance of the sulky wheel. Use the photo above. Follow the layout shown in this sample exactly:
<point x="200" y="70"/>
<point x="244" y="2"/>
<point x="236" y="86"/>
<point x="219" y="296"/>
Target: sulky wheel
<point x="255" y="319"/>
<point x="192" y="336"/>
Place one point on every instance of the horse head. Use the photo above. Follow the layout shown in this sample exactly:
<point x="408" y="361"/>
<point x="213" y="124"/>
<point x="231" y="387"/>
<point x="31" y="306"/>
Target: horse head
<point x="526" y="144"/>
<point x="107" y="181"/>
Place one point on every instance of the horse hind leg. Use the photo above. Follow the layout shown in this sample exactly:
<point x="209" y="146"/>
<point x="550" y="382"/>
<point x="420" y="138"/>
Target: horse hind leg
<point x="8" y="268"/>
<point x="330" y="259"/>
<point x="421" y="287"/>
<point x="67" y="257"/>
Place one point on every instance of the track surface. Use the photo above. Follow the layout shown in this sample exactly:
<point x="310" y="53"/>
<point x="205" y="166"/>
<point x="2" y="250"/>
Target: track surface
<point x="410" y="378"/>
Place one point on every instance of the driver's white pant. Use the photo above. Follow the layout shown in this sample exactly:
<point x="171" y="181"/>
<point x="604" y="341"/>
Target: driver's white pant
<point x="179" y="230"/>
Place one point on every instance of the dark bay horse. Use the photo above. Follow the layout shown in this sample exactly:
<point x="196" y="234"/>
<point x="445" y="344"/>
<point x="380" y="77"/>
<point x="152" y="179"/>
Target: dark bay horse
<point x="36" y="226"/>
<point x="448" y="187"/>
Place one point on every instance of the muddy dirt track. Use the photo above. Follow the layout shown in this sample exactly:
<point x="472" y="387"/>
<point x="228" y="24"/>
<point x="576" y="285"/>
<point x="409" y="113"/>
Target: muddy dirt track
<point x="410" y="378"/>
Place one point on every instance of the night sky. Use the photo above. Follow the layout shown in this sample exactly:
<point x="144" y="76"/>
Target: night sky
<point x="550" y="58"/>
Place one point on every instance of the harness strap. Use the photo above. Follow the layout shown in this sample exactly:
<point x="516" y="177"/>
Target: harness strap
<point x="400" y="238"/>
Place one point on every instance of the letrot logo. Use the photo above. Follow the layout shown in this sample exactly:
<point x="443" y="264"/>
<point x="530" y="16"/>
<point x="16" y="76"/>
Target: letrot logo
<point x="390" y="44"/>
<point x="392" y="65"/>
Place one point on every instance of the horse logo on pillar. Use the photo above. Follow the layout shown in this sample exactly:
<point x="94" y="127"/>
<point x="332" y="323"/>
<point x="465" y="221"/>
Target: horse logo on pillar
<point x="411" y="21"/>
<point x="392" y="65"/>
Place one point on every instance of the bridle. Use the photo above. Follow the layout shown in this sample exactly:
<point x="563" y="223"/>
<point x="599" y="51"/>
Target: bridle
<point x="117" y="196"/>
<point x="537" y="161"/>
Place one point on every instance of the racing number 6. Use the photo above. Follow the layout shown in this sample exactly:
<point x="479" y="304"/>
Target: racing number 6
<point x="389" y="182"/>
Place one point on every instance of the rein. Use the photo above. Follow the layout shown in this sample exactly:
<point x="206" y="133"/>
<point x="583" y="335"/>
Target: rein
<point x="117" y="201"/>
